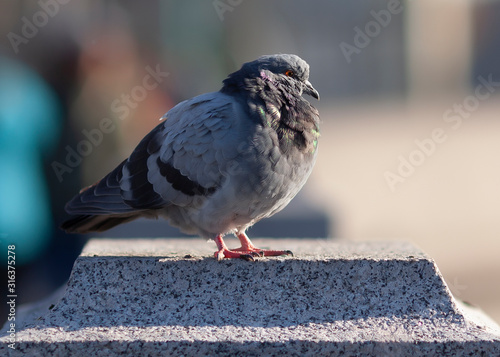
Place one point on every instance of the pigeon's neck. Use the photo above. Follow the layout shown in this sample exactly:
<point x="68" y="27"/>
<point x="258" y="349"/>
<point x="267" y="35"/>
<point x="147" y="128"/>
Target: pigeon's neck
<point x="260" y="90"/>
<point x="232" y="84"/>
<point x="279" y="107"/>
<point x="296" y="126"/>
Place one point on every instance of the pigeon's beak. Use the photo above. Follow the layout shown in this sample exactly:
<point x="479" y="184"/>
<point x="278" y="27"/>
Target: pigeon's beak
<point x="309" y="89"/>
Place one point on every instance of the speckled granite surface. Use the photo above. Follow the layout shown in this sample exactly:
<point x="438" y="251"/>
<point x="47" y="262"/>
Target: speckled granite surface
<point x="160" y="297"/>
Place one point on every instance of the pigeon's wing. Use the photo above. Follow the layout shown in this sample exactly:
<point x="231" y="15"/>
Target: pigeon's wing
<point x="188" y="157"/>
<point x="182" y="159"/>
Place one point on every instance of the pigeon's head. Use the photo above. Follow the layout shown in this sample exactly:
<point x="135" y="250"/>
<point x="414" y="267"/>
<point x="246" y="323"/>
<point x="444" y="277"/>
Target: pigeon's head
<point x="286" y="69"/>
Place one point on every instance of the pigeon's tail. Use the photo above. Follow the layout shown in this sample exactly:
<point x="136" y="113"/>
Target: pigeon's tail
<point x="99" y="207"/>
<point x="94" y="223"/>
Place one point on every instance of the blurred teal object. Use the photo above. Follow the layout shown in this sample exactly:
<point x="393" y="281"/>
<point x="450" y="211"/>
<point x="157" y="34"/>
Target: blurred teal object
<point x="29" y="130"/>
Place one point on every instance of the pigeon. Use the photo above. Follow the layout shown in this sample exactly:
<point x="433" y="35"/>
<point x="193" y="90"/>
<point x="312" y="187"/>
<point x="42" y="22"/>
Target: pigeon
<point x="217" y="163"/>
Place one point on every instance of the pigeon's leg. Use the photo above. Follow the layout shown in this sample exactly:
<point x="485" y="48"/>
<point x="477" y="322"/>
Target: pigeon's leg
<point x="223" y="251"/>
<point x="247" y="247"/>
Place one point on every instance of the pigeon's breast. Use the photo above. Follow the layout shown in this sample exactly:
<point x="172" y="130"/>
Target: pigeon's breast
<point x="273" y="176"/>
<point x="261" y="182"/>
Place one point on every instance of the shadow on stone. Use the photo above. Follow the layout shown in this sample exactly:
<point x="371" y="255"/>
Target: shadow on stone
<point x="288" y="348"/>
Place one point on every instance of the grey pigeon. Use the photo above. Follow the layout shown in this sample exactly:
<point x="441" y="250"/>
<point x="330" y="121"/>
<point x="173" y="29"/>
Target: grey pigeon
<point x="218" y="162"/>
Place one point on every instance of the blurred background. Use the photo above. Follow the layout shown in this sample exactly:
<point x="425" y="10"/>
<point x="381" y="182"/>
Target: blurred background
<point x="409" y="103"/>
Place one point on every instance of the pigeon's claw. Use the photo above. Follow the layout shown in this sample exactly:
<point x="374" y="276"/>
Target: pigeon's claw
<point x="275" y="253"/>
<point x="257" y="252"/>
<point x="247" y="251"/>
<point x="229" y="254"/>
<point x="247" y="246"/>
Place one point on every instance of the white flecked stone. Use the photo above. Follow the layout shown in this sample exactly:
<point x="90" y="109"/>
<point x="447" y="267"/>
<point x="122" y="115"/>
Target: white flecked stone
<point x="158" y="297"/>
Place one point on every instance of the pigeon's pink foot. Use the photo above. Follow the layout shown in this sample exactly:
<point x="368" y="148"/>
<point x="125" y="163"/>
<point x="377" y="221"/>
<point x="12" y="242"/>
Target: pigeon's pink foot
<point x="247" y="250"/>
<point x="229" y="254"/>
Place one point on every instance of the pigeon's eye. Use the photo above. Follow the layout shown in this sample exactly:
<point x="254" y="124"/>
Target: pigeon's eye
<point x="289" y="73"/>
